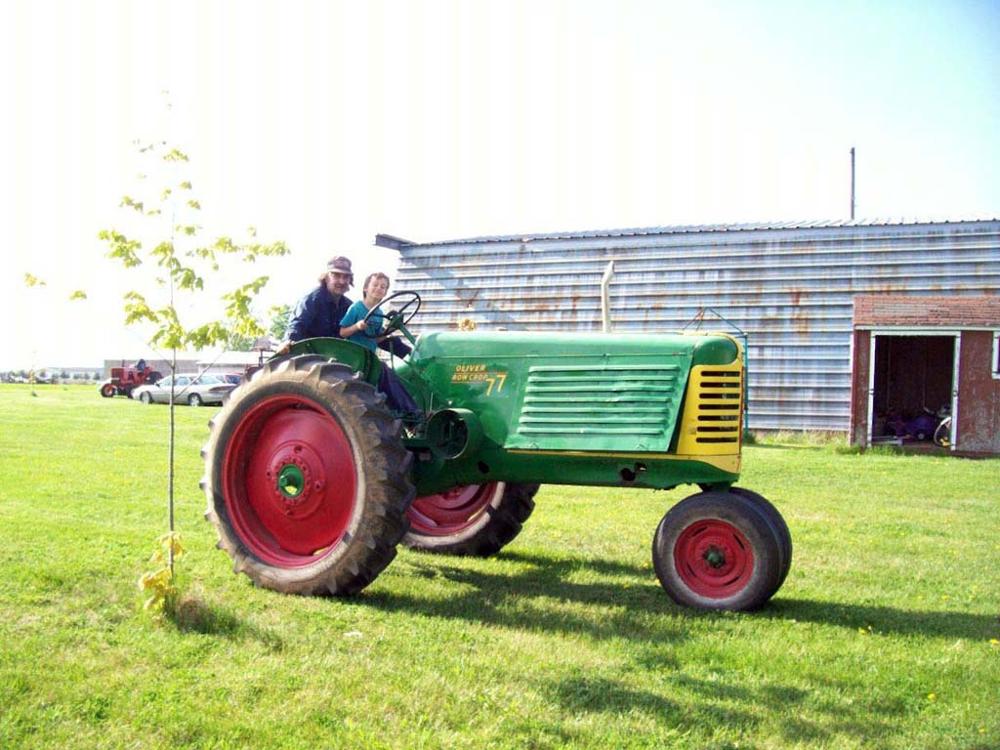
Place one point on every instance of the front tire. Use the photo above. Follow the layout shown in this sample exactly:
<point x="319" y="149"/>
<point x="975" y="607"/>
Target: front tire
<point x="307" y="479"/>
<point x="780" y="528"/>
<point x="107" y="390"/>
<point x="718" y="550"/>
<point x="475" y="519"/>
<point x="146" y="398"/>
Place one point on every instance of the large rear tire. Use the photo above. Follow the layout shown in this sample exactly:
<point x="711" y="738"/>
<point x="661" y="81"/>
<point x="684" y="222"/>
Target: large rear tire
<point x="718" y="550"/>
<point x="307" y="479"/>
<point x="475" y="519"/>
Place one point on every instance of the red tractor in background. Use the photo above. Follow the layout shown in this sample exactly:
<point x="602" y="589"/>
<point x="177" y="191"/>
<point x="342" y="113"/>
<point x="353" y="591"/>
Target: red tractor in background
<point x="128" y="377"/>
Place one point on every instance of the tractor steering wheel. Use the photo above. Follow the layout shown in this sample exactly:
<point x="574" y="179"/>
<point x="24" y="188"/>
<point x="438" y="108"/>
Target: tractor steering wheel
<point x="397" y="319"/>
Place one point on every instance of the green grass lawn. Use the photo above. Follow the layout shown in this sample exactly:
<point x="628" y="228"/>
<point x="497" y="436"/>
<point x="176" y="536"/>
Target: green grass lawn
<point x="883" y="636"/>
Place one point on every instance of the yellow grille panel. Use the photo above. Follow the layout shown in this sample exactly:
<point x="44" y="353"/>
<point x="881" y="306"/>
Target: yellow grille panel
<point x="713" y="410"/>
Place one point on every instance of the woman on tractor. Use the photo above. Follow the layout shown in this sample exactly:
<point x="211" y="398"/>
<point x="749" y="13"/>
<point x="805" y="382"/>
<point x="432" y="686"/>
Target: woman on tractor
<point x="363" y="324"/>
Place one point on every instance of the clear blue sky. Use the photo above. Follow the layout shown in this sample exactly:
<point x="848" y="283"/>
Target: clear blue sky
<point x="323" y="123"/>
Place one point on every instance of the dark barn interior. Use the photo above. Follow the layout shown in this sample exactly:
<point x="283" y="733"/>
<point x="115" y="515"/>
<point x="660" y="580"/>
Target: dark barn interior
<point x="913" y="374"/>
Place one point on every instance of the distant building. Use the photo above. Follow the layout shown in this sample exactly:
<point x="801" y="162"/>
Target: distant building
<point x="788" y="289"/>
<point x="231" y="361"/>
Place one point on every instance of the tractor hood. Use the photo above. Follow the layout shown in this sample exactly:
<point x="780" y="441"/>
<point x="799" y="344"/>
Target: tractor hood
<point x="564" y="391"/>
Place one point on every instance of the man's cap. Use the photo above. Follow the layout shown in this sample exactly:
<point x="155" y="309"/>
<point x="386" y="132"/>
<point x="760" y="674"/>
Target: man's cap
<point x="340" y="264"/>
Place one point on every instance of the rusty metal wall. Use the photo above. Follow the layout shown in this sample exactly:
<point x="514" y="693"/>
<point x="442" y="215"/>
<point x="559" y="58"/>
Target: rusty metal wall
<point x="978" y="396"/>
<point x="861" y="370"/>
<point x="788" y="287"/>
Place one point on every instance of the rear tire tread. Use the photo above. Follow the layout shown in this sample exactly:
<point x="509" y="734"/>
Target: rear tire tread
<point x="506" y="519"/>
<point x="371" y="545"/>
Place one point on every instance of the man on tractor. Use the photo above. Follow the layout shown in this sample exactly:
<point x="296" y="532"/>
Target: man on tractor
<point x="321" y="312"/>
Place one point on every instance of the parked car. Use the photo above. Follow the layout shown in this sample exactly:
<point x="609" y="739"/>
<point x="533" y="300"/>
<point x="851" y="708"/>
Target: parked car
<point x="189" y="388"/>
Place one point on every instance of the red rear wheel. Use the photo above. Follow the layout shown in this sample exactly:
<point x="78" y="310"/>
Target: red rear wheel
<point x="471" y="519"/>
<point x="308" y="480"/>
<point x="451" y="511"/>
<point x="289" y="481"/>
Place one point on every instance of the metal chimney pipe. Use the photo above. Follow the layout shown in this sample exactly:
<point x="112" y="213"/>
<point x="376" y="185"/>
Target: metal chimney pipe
<point x="605" y="303"/>
<point x="852" y="183"/>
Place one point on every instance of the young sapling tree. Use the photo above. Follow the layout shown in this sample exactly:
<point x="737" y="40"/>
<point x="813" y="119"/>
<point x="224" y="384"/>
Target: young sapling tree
<point x="177" y="268"/>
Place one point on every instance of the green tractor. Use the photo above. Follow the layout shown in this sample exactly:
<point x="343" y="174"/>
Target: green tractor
<point x="312" y="481"/>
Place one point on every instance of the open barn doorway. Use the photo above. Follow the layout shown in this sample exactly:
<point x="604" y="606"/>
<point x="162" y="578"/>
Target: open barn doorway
<point x="912" y="387"/>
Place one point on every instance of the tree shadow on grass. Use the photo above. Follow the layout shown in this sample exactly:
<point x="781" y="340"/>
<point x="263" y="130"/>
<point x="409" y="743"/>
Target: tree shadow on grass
<point x="599" y="695"/>
<point x="543" y="594"/>
<point x="700" y="704"/>
<point x="692" y="706"/>
<point x="192" y="614"/>
<point x="884" y="619"/>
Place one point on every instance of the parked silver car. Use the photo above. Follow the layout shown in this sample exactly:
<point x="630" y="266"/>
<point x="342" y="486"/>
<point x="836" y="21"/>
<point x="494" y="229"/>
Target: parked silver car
<point x="189" y="388"/>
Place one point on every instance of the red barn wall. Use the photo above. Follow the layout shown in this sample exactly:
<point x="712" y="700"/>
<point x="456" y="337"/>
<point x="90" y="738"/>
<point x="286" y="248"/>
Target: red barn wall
<point x="978" y="395"/>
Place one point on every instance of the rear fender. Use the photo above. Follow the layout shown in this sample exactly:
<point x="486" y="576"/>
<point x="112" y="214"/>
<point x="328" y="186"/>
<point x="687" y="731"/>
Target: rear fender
<point x="345" y="352"/>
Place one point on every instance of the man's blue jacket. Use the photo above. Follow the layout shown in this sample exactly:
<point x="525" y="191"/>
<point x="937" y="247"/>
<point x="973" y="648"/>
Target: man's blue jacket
<point x="318" y="314"/>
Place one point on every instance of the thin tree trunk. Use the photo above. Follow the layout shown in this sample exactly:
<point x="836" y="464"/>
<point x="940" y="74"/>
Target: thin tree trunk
<point x="170" y="464"/>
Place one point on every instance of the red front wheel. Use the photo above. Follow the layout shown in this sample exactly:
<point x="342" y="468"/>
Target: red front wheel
<point x="713" y="558"/>
<point x="719" y="550"/>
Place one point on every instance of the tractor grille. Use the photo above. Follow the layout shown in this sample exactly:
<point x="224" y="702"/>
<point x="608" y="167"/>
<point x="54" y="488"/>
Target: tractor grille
<point x="599" y="407"/>
<point x="713" y="412"/>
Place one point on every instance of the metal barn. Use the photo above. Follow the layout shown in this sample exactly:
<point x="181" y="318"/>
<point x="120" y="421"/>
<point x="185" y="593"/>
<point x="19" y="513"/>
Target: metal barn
<point x="789" y="288"/>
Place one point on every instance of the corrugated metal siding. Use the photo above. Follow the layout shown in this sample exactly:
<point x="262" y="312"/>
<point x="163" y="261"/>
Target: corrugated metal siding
<point x="789" y="288"/>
